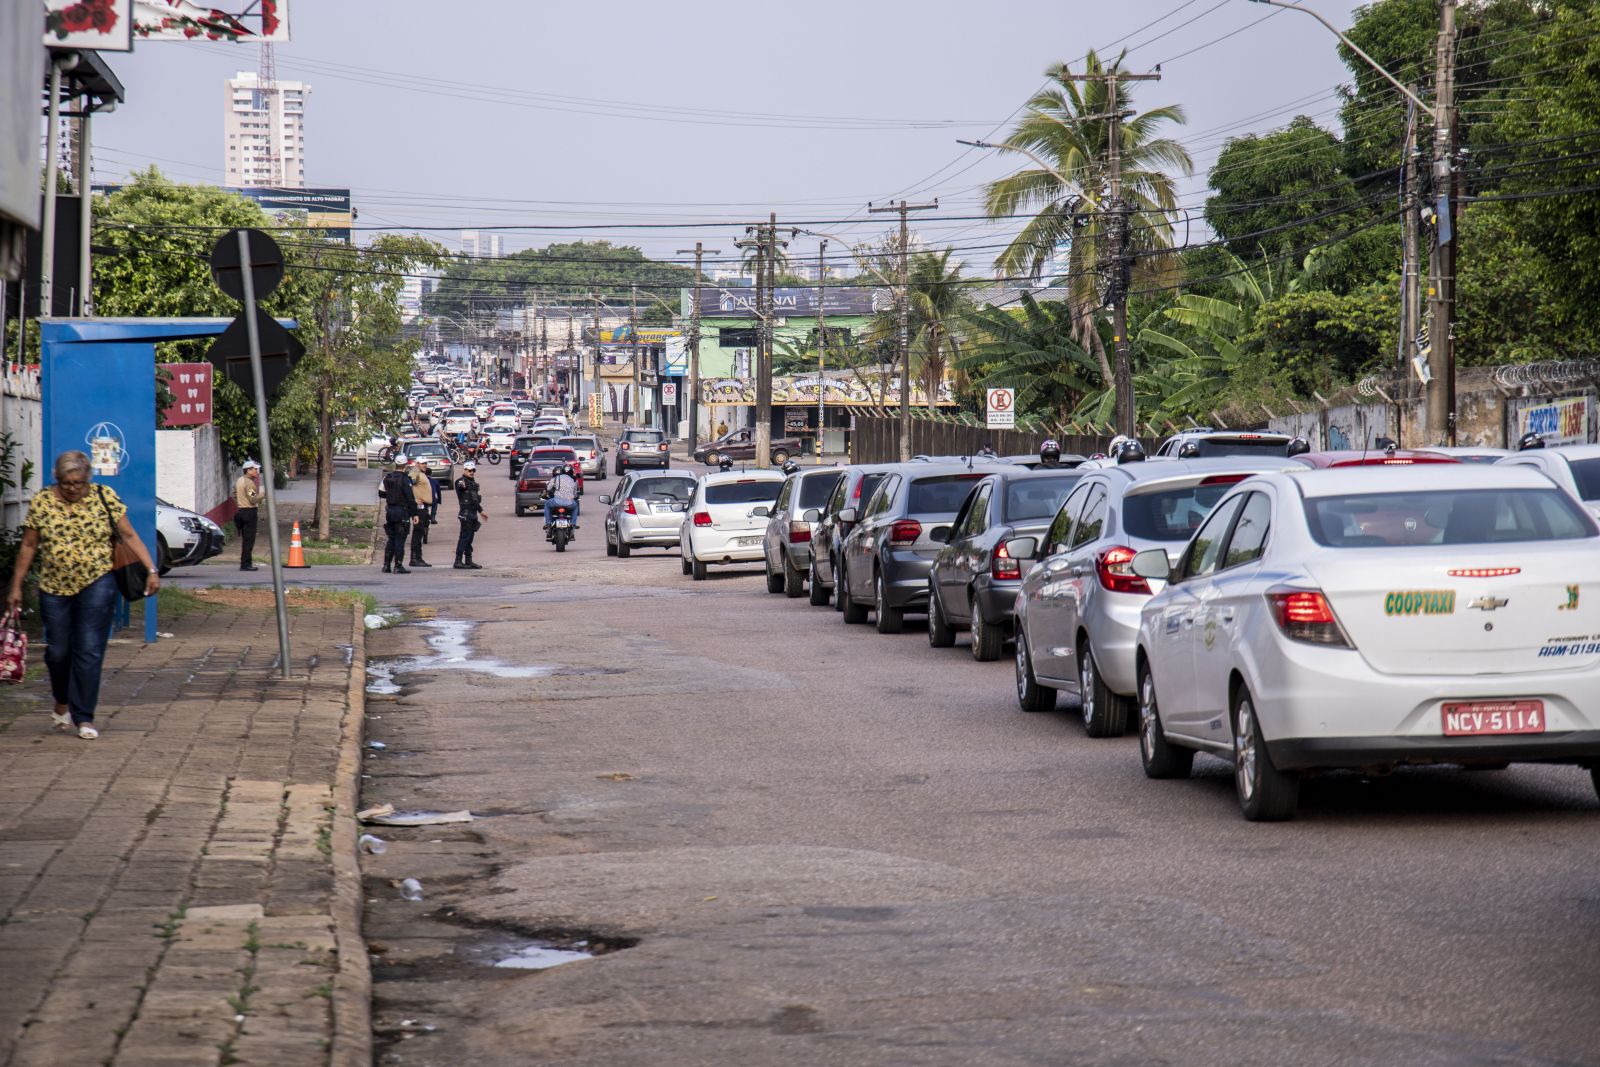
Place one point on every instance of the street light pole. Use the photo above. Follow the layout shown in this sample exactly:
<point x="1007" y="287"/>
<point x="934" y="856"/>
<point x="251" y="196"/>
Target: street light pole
<point x="903" y="329"/>
<point x="694" y="345"/>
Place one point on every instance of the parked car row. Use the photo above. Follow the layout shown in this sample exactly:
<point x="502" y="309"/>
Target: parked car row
<point x="1291" y="612"/>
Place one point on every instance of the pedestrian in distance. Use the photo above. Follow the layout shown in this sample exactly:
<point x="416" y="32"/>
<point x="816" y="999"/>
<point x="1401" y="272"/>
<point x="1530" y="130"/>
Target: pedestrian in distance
<point x="399" y="515"/>
<point x="247" y="494"/>
<point x="422" y="492"/>
<point x="470" y="498"/>
<point x="69" y="529"/>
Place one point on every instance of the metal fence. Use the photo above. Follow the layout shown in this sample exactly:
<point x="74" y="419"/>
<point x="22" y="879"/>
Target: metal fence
<point x="877" y="440"/>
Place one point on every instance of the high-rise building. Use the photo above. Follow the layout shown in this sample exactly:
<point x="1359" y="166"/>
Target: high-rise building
<point x="482" y="244"/>
<point x="264" y="133"/>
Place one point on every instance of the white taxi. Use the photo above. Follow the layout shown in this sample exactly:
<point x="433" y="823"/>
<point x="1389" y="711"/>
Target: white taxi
<point x="727" y="518"/>
<point x="1365" y="619"/>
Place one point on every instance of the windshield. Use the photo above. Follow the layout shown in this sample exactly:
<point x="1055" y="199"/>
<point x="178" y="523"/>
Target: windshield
<point x="868" y="486"/>
<point x="764" y="491"/>
<point x="642" y="437"/>
<point x="553" y="455"/>
<point x="1036" y="498"/>
<point x="814" y="491"/>
<point x="1232" y="446"/>
<point x="525" y="442"/>
<point x="586" y="443"/>
<point x="661" y="490"/>
<point x="1586" y="472"/>
<point x="1446" y="517"/>
<point x="426" y="450"/>
<point x="1170" y="514"/>
<point x="461" y="413"/>
<point x="941" y="495"/>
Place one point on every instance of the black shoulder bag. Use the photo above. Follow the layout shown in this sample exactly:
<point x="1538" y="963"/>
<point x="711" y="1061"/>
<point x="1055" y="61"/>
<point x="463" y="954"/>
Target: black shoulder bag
<point x="127" y="571"/>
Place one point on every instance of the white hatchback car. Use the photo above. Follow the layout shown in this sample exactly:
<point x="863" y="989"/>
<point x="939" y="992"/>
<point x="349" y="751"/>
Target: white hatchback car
<point x="1370" y="618"/>
<point x="1575" y="468"/>
<point x="727" y="519"/>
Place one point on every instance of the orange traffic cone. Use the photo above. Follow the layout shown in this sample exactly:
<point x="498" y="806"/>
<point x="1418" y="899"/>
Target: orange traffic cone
<point x="297" y="554"/>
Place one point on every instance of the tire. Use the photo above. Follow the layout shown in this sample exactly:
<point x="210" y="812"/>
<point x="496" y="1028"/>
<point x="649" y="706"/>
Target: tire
<point x="494" y="458"/>
<point x="854" y="614"/>
<point x="794" y="580"/>
<point x="988" y="640"/>
<point x="624" y="550"/>
<point x="1594" y="776"/>
<point x="611" y="548"/>
<point x="711" y="459"/>
<point x="687" y="569"/>
<point x="560" y="538"/>
<point x="780" y="456"/>
<point x="1104" y="713"/>
<point x="940" y="633"/>
<point x="1161" y="758"/>
<point x="163" y="556"/>
<point x="1266" y="794"/>
<point x="818" y="594"/>
<point x="890" y="620"/>
<point x="521" y="511"/>
<point x="697" y="570"/>
<point x="838" y="598"/>
<point x="1031" y="694"/>
<point x="774" y="581"/>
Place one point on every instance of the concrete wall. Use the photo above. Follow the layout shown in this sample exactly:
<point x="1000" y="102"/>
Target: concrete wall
<point x="190" y="472"/>
<point x="21" y="416"/>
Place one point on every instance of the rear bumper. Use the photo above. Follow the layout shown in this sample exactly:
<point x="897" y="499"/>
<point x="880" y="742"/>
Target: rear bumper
<point x="715" y="546"/>
<point x="905" y="579"/>
<point x="799" y="554"/>
<point x="630" y="532"/>
<point x="998" y="601"/>
<point x="1310" y="753"/>
<point x="642" y="461"/>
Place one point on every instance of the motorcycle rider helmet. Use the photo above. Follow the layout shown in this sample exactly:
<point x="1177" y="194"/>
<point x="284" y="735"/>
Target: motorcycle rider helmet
<point x="1298" y="447"/>
<point x="1529" y="440"/>
<point x="1050" y="451"/>
<point x="1129" y="451"/>
<point x="725" y="463"/>
<point x="1189" y="450"/>
<point x="790" y="467"/>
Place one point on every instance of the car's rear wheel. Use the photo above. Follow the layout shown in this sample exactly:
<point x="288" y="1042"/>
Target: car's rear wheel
<point x="164" y="556"/>
<point x="854" y="613"/>
<point x="624" y="550"/>
<point x="611" y="547"/>
<point x="774" y="580"/>
<point x="697" y="570"/>
<point x="891" y="620"/>
<point x="1161" y="758"/>
<point x="838" y="597"/>
<point x="1594" y="776"/>
<point x="521" y="511"/>
<point x="711" y="459"/>
<point x="794" y="580"/>
<point x="987" y="638"/>
<point x="1031" y="694"/>
<point x="818" y="594"/>
<point x="1104" y="713"/>
<point x="940" y="633"/>
<point x="1266" y="794"/>
<point x="686" y="565"/>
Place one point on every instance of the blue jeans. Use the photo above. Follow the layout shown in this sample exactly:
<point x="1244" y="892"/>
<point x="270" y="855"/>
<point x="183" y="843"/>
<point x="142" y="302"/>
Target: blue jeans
<point x="550" y="507"/>
<point x="76" y="628"/>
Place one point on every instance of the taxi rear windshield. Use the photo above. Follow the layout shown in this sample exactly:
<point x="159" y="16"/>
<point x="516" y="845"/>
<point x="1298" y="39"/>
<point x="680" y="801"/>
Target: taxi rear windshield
<point x="1233" y="446"/>
<point x="662" y="489"/>
<point x="1171" y="514"/>
<point x="1036" y="498"/>
<point x="1446" y="517"/>
<point x="764" y="491"/>
<point x="941" y="495"/>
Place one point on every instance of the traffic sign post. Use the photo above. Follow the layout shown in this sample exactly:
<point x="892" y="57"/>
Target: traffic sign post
<point x="999" y="409"/>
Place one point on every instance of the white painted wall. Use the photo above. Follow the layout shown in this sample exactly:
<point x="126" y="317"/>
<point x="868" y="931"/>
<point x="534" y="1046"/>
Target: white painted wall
<point x="189" y="468"/>
<point x="21" y="415"/>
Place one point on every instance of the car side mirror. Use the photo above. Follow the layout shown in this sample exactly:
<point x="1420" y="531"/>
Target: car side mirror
<point x="605" y="498"/>
<point x="760" y="511"/>
<point x="812" y="515"/>
<point x="940" y="534"/>
<point x="1022" y="547"/>
<point x="1153" y="563"/>
<point x="847" y="515"/>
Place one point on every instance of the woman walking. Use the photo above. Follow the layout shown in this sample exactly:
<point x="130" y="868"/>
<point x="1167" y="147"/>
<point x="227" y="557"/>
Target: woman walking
<point x="69" y="528"/>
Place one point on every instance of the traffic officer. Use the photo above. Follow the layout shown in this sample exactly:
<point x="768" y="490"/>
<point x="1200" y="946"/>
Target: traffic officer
<point x="472" y="516"/>
<point x="422" y="491"/>
<point x="247" y="494"/>
<point x="399" y="513"/>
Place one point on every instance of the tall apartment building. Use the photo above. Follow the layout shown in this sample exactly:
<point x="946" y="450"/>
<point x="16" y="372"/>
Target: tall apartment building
<point x="483" y="244"/>
<point x="257" y="126"/>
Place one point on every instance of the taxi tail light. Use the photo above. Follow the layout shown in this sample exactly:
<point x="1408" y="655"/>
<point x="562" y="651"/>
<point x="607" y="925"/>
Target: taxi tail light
<point x="1305" y="615"/>
<point x="1003" y="567"/>
<point x="799" y="532"/>
<point x="702" y="518"/>
<point x="624" y="446"/>
<point x="627" y="505"/>
<point x="1114" y="567"/>
<point x="905" y="532"/>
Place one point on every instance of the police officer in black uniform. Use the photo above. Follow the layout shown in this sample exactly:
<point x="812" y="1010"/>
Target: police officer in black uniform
<point x="399" y="513"/>
<point x="468" y="495"/>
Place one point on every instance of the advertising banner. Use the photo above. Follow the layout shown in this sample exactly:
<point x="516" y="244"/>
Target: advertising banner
<point x="101" y="25"/>
<point x="740" y="303"/>
<point x="1565" y="421"/>
<point x="840" y="392"/>
<point x="190" y="386"/>
<point x="239" y="21"/>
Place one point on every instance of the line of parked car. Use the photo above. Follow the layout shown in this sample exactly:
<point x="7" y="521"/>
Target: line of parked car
<point x="1234" y="594"/>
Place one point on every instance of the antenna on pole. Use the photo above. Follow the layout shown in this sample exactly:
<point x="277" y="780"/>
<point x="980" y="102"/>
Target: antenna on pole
<point x="267" y="82"/>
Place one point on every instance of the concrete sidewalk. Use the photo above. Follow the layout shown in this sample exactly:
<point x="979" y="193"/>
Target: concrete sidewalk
<point x="183" y="891"/>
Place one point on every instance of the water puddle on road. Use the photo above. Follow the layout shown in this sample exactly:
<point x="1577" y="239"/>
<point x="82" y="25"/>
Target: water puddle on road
<point x="539" y="957"/>
<point x="450" y="653"/>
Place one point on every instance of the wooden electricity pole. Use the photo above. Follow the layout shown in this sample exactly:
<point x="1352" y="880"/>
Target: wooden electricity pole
<point x="694" y="344"/>
<point x="903" y="329"/>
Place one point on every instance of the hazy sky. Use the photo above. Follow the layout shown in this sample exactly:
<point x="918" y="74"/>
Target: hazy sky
<point x="539" y="115"/>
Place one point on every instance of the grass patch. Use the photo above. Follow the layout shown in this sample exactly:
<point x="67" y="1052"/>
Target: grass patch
<point x="177" y="602"/>
<point x="324" y="558"/>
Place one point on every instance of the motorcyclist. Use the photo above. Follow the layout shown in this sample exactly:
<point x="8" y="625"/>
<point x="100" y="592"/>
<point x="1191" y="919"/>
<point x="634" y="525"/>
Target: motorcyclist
<point x="1050" y="456"/>
<point x="987" y="451"/>
<point x="1531" y="439"/>
<point x="561" y="491"/>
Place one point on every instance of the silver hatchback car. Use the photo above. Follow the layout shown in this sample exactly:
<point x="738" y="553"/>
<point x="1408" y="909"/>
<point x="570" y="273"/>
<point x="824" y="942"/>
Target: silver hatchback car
<point x="1078" y="608"/>
<point x="646" y="510"/>
<point x="786" y="549"/>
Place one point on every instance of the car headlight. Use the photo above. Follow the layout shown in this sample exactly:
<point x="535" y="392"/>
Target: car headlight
<point x="192" y="523"/>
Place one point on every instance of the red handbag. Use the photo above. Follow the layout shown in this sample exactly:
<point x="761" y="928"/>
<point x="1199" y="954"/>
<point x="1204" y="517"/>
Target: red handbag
<point x="13" y="649"/>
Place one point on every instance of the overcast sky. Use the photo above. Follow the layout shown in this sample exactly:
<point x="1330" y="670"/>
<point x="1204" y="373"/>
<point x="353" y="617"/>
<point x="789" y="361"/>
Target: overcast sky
<point x="584" y="115"/>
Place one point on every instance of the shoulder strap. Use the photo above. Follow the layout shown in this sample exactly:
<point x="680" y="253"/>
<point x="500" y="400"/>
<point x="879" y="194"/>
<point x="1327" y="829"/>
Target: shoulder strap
<point x="100" y="491"/>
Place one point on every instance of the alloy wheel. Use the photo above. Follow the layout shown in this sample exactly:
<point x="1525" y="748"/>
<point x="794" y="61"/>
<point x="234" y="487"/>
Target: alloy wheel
<point x="1086" y="685"/>
<point x="1148" y="722"/>
<point x="1244" y="750"/>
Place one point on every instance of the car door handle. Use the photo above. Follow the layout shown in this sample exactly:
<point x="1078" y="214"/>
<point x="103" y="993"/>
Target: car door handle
<point x="1079" y="571"/>
<point x="1227" y="617"/>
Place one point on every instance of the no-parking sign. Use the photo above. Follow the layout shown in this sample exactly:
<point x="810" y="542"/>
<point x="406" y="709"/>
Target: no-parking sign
<point x="1000" y="409"/>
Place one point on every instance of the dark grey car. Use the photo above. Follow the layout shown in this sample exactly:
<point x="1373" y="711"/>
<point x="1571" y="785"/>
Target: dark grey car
<point x="786" y="547"/>
<point x="974" y="581"/>
<point x="855" y="487"/>
<point x="886" y="558"/>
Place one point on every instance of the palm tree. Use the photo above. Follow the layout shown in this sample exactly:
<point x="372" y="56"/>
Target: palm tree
<point x="1032" y="349"/>
<point x="1066" y="125"/>
<point x="938" y="297"/>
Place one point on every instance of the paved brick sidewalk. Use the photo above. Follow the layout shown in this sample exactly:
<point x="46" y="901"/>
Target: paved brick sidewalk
<point x="180" y="891"/>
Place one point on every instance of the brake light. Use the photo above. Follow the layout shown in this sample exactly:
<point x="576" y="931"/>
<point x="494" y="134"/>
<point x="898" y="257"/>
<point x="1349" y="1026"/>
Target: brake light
<point x="856" y="495"/>
<point x="1223" y="479"/>
<point x="799" y="532"/>
<point x="702" y="518"/>
<point x="624" y="446"/>
<point x="662" y="447"/>
<point x="1003" y="567"/>
<point x="1483" y="572"/>
<point x="525" y="486"/>
<point x="905" y="532"/>
<point x="627" y="505"/>
<point x="1114" y="567"/>
<point x="1304" y="615"/>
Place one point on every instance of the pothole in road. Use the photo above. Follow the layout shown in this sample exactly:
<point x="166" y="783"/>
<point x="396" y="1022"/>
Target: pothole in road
<point x="450" y="653"/>
<point x="496" y="949"/>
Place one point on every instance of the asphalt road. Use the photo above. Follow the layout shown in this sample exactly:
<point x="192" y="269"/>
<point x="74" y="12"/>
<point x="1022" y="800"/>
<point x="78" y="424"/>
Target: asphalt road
<point x="800" y="842"/>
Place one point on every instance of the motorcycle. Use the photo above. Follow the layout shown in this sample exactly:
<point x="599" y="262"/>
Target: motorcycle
<point x="559" y="530"/>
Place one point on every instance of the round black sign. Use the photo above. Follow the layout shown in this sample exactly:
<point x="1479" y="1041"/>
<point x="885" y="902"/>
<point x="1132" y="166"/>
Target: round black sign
<point x="227" y="264"/>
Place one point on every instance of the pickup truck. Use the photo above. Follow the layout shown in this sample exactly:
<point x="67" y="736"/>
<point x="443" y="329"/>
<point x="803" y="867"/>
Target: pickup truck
<point x="741" y="444"/>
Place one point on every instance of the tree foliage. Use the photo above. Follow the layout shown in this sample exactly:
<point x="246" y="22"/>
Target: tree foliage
<point x="470" y="287"/>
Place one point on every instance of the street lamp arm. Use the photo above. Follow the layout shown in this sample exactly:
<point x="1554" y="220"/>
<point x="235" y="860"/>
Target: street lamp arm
<point x="1348" y="43"/>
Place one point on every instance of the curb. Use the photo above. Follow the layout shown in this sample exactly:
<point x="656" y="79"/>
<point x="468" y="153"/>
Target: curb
<point x="352" y="985"/>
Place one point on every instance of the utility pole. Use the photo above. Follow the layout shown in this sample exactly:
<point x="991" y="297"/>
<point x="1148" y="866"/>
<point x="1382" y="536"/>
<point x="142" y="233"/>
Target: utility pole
<point x="599" y="397"/>
<point x="903" y="331"/>
<point x="633" y="355"/>
<point x="1441" y="409"/>
<point x="822" y="345"/>
<point x="694" y="345"/>
<point x="1121" y="265"/>
<point x="1410" y="272"/>
<point x="575" y="376"/>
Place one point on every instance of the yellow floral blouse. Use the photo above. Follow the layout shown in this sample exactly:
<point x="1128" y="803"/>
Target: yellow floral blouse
<point x="74" y="539"/>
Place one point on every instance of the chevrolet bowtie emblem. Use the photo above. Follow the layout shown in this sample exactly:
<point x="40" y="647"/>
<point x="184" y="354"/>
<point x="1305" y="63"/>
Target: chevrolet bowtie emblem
<point x="1488" y="603"/>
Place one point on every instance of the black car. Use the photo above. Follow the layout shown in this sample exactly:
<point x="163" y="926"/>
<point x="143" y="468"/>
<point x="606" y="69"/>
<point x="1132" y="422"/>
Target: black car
<point x="640" y="448"/>
<point x="974" y="580"/>
<point x="518" y="455"/>
<point x="854" y="488"/>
